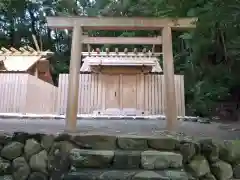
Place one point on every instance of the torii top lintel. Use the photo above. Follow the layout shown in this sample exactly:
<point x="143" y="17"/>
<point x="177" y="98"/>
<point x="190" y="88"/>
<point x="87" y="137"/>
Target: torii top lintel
<point x="120" y="23"/>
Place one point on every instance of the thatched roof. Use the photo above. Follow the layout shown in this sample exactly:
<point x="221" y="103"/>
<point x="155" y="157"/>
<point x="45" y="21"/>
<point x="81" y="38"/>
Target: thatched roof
<point x="22" y="59"/>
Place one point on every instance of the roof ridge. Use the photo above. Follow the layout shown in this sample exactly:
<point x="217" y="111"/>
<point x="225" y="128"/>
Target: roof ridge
<point x="23" y="51"/>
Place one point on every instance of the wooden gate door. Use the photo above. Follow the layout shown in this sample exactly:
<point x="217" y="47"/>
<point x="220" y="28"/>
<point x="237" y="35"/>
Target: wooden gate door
<point x="112" y="89"/>
<point x="128" y="91"/>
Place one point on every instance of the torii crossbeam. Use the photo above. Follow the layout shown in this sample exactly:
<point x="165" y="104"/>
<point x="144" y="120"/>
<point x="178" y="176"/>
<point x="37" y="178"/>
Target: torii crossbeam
<point x="80" y="24"/>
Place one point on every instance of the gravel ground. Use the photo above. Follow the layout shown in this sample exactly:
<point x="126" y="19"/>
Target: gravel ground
<point x="122" y="127"/>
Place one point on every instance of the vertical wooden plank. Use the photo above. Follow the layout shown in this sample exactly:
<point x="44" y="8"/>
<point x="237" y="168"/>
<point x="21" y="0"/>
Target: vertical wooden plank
<point x="1" y="92"/>
<point x="8" y="79"/>
<point x="79" y="95"/>
<point x="80" y="98"/>
<point x="8" y="93"/>
<point x="155" y="94"/>
<point x="149" y="94"/>
<point x="168" y="69"/>
<point x="150" y="87"/>
<point x="176" y="93"/>
<point x="61" y="94"/>
<point x="141" y="92"/>
<point x="4" y="87"/>
<point x="84" y="95"/>
<point x="179" y="102"/>
<point x="182" y="94"/>
<point x="87" y="93"/>
<point x="73" y="86"/>
<point x="96" y="92"/>
<point x="93" y="93"/>
<point x="88" y="82"/>
<point x="98" y="89"/>
<point x="16" y="95"/>
<point x="159" y="95"/>
<point x="163" y="95"/>
<point x="146" y="93"/>
<point x="138" y="92"/>
<point x="99" y="92"/>
<point x="80" y="106"/>
<point x="66" y="77"/>
<point x="64" y="93"/>
<point x="62" y="90"/>
<point x="58" y="100"/>
<point x="103" y="90"/>
<point x="121" y="91"/>
<point x="23" y="98"/>
<point x="81" y="89"/>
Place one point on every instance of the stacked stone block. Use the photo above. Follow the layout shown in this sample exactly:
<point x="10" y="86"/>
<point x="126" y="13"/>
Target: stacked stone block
<point x="97" y="157"/>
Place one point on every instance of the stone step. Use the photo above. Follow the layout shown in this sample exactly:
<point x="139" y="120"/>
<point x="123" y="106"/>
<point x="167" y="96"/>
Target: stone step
<point x="127" y="175"/>
<point x="106" y="142"/>
<point x="119" y="159"/>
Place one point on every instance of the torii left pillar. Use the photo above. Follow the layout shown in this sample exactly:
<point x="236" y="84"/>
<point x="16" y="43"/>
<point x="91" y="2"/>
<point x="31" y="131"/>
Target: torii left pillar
<point x="73" y="81"/>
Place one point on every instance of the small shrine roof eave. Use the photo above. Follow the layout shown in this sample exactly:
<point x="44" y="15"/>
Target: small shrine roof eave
<point x="120" y="61"/>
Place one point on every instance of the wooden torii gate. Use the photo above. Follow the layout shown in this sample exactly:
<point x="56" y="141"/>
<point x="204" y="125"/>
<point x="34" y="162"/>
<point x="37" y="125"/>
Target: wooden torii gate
<point x="80" y="24"/>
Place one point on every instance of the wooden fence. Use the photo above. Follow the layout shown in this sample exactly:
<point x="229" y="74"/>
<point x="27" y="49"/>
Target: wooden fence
<point x="24" y="93"/>
<point x="94" y="95"/>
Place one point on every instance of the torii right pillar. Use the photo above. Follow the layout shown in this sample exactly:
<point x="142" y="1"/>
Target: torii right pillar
<point x="168" y="71"/>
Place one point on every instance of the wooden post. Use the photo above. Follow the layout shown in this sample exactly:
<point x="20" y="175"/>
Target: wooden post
<point x="73" y="81"/>
<point x="168" y="71"/>
<point x="36" y="70"/>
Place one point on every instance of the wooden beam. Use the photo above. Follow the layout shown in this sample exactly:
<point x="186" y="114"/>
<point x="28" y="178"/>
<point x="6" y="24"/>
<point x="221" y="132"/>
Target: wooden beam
<point x="130" y="54"/>
<point x="120" y="23"/>
<point x="168" y="71"/>
<point x="123" y="40"/>
<point x="73" y="81"/>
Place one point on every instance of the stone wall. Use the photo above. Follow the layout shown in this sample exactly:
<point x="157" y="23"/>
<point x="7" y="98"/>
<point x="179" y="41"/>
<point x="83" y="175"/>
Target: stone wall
<point x="94" y="157"/>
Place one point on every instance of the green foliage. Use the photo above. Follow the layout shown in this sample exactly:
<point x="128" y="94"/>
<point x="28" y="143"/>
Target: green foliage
<point x="208" y="56"/>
